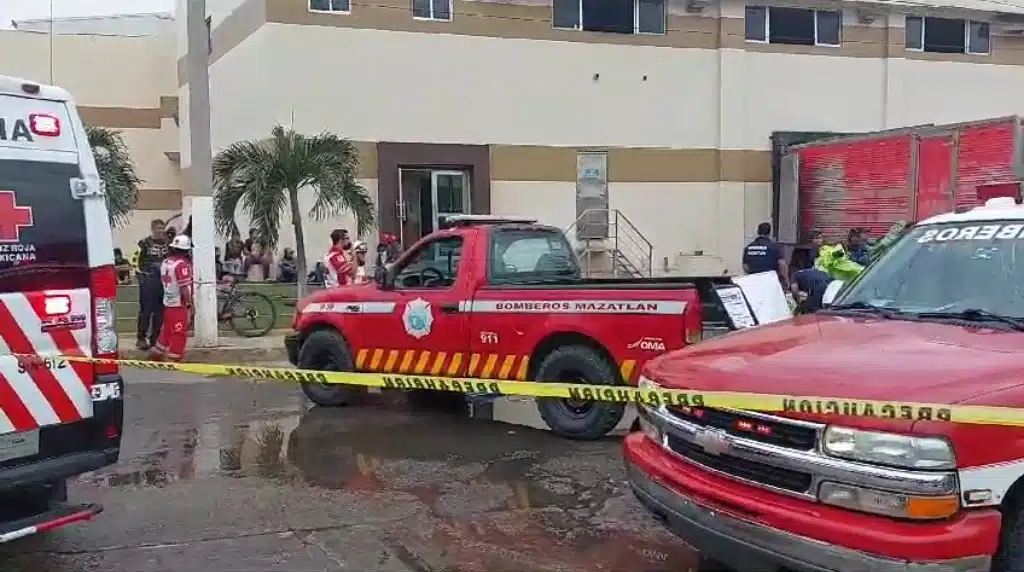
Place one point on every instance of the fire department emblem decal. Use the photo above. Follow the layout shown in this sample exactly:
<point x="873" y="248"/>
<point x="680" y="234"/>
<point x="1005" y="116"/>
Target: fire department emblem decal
<point x="418" y="318"/>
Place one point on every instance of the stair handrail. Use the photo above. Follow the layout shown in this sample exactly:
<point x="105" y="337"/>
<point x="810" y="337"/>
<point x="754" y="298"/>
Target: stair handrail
<point x="647" y="249"/>
<point x="622" y="233"/>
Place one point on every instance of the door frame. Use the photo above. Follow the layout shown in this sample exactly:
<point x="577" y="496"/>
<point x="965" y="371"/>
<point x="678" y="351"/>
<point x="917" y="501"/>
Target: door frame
<point x="392" y="155"/>
<point x="467" y="192"/>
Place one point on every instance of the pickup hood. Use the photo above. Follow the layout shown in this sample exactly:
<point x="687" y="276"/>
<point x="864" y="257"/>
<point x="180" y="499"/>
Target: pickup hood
<point x="851" y="357"/>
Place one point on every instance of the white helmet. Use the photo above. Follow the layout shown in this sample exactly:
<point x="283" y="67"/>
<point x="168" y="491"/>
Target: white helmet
<point x="359" y="246"/>
<point x="181" y="242"/>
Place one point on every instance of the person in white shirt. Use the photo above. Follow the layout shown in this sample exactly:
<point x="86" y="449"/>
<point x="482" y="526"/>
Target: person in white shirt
<point x="359" y="249"/>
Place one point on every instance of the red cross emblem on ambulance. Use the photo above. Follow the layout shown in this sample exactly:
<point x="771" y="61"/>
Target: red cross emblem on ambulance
<point x="13" y="218"/>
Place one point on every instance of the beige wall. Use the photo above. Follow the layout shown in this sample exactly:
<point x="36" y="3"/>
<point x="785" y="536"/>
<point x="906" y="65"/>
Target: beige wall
<point x="120" y="82"/>
<point x="694" y="107"/>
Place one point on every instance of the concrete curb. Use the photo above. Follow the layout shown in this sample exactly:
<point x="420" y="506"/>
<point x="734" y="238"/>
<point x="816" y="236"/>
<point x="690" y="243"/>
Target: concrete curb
<point x="227" y="355"/>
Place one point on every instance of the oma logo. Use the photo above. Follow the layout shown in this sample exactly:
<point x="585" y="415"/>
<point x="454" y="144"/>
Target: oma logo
<point x="648" y="344"/>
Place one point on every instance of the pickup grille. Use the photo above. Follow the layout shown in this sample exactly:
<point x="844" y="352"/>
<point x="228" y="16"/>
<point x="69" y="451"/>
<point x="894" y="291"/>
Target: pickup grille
<point x="777" y="477"/>
<point x="771" y="432"/>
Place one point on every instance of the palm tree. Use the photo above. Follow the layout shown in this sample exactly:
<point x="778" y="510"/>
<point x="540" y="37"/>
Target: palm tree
<point x="263" y="177"/>
<point x="117" y="171"/>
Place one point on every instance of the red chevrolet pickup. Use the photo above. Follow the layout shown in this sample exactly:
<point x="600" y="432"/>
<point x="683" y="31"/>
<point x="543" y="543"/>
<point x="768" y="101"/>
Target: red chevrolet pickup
<point x="938" y="319"/>
<point x="501" y="299"/>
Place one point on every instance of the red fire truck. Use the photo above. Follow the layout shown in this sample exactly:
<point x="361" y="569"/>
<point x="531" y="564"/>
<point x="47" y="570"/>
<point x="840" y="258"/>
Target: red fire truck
<point x="832" y="183"/>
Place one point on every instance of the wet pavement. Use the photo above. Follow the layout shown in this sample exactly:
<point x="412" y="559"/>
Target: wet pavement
<point x="233" y="476"/>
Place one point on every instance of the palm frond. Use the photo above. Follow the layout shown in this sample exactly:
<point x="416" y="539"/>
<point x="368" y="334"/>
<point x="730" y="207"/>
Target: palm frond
<point x="243" y="168"/>
<point x="117" y="171"/>
<point x="264" y="177"/>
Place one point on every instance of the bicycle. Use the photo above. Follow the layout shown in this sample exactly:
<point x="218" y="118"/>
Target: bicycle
<point x="236" y="307"/>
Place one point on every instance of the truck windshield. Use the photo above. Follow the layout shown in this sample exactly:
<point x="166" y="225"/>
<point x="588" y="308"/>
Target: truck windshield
<point x="974" y="268"/>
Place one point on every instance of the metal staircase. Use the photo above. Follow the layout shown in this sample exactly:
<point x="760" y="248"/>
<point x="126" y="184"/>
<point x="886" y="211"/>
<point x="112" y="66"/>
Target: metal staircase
<point x="609" y="245"/>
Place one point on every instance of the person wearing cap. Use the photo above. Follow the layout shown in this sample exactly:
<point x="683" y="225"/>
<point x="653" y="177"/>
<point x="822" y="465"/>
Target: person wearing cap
<point x="359" y="254"/>
<point x="387" y="253"/>
<point x="176" y="276"/>
<point x="338" y="261"/>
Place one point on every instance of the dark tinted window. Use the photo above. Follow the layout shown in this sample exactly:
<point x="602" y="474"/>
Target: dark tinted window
<point x="944" y="35"/>
<point x="42" y="228"/>
<point x="791" y="26"/>
<point x="608" y="16"/>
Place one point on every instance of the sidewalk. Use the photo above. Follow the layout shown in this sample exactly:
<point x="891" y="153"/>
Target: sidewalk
<point x="231" y="350"/>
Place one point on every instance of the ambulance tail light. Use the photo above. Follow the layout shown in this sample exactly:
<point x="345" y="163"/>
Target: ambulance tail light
<point x="44" y="124"/>
<point x="104" y="296"/>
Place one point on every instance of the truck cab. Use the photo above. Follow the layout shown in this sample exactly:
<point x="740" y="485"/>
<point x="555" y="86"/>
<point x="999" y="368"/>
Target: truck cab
<point x="835" y="484"/>
<point x="498" y="298"/>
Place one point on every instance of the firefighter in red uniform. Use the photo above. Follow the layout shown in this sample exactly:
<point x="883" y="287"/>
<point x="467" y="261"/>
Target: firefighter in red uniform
<point x="176" y="275"/>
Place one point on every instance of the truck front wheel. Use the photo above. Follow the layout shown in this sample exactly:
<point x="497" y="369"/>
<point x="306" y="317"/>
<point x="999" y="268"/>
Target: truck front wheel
<point x="1010" y="556"/>
<point x="327" y="350"/>
<point x="584" y="420"/>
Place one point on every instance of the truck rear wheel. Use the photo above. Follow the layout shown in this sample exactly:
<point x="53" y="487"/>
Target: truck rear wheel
<point x="584" y="420"/>
<point x="327" y="350"/>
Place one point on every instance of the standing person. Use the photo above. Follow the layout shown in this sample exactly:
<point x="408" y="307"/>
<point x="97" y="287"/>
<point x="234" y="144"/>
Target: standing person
<point x="359" y="254"/>
<point x="338" y="260"/>
<point x="176" y="275"/>
<point x="763" y="255"/>
<point x="857" y="246"/>
<point x="817" y="241"/>
<point x="152" y="250"/>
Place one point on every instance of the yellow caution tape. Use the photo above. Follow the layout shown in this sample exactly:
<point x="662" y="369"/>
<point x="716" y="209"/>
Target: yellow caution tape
<point x="766" y="402"/>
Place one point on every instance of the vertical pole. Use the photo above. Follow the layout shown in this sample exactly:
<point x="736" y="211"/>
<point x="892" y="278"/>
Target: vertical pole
<point x="52" y="82"/>
<point x="199" y="202"/>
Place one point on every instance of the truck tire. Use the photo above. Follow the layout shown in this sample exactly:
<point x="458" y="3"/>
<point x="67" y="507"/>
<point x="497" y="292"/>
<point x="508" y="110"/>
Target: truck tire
<point x="1010" y="555"/>
<point x="585" y="420"/>
<point x="327" y="350"/>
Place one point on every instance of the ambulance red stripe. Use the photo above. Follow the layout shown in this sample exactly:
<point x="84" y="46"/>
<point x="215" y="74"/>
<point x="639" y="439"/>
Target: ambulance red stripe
<point x="66" y="344"/>
<point x="51" y="389"/>
<point x="19" y="415"/>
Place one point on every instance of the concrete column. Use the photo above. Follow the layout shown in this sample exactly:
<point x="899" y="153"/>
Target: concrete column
<point x="198" y="201"/>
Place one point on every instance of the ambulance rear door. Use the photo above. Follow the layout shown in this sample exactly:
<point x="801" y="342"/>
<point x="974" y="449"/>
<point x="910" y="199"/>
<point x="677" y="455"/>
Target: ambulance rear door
<point x="46" y="306"/>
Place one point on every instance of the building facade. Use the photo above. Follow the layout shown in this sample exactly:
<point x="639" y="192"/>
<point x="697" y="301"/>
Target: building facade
<point x="121" y="72"/>
<point x="661" y="109"/>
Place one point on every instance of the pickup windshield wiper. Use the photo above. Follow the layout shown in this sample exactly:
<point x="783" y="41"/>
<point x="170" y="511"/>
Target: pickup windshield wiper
<point x="975" y="315"/>
<point x="887" y="313"/>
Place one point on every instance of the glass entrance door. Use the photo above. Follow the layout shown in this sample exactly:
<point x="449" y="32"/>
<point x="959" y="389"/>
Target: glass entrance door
<point x="450" y="191"/>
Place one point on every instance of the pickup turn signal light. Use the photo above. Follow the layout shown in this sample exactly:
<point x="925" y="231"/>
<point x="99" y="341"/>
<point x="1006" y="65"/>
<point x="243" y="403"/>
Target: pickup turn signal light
<point x="895" y="505"/>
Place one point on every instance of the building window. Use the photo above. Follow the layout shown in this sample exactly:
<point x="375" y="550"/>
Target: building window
<point x="344" y="6"/>
<point x="774" y="25"/>
<point x="616" y="16"/>
<point x="432" y="9"/>
<point x="947" y="36"/>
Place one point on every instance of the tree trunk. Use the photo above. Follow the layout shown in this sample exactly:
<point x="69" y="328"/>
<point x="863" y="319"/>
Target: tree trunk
<point x="300" y="244"/>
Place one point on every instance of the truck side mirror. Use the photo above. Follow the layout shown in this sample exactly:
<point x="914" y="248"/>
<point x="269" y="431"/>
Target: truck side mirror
<point x="831" y="291"/>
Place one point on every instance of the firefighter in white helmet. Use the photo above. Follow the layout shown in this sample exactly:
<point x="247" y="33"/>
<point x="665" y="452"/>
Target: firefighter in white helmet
<point x="176" y="276"/>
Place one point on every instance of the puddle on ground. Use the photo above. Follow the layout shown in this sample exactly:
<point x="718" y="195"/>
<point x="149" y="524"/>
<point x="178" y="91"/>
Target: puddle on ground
<point x="498" y="497"/>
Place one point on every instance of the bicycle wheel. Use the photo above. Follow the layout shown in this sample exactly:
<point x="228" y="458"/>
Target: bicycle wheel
<point x="253" y="314"/>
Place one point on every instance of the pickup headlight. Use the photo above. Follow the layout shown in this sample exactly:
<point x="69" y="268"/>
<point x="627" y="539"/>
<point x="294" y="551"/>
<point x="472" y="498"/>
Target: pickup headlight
<point x="889" y="448"/>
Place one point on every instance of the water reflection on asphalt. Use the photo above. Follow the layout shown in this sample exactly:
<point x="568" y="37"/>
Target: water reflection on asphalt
<point x="484" y="497"/>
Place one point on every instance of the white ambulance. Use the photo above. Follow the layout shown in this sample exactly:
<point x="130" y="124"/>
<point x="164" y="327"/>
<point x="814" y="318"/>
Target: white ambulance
<point x="58" y="419"/>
